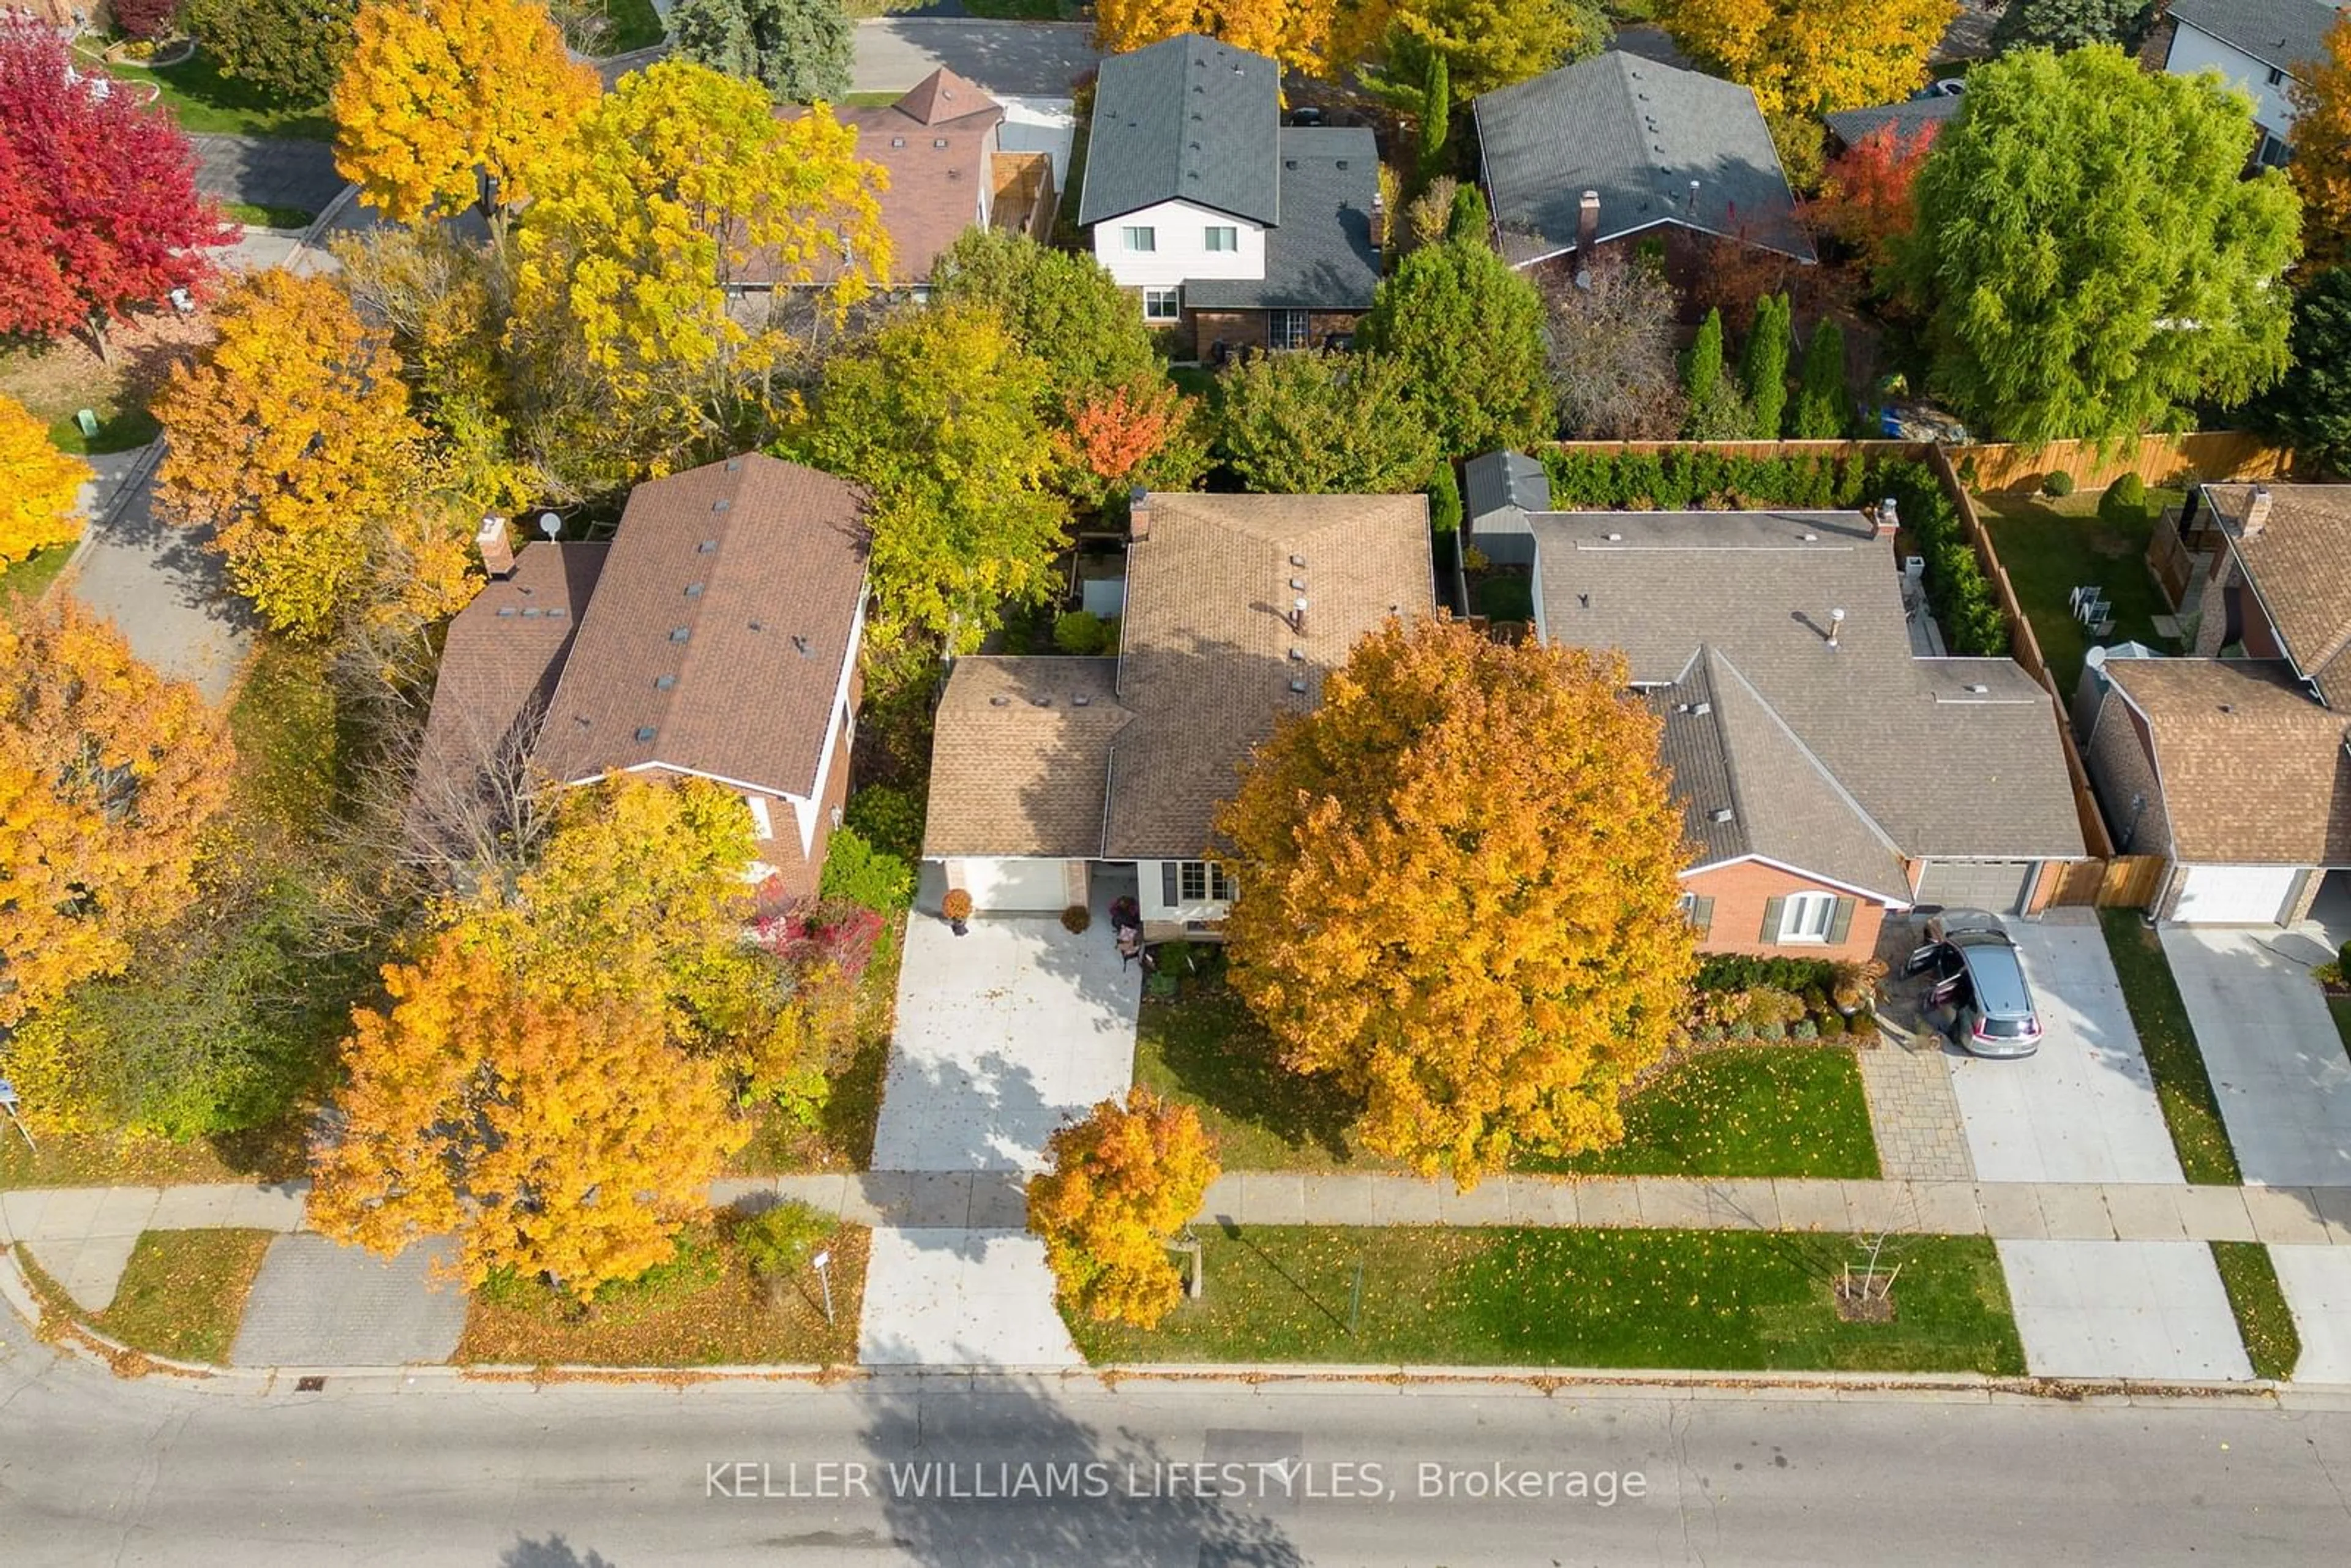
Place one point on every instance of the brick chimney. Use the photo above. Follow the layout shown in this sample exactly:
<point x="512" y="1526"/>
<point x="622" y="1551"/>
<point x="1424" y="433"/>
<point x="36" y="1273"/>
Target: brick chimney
<point x="2257" y="514"/>
<point x="1884" y="520"/>
<point x="1138" y="515"/>
<point x="497" y="551"/>
<point x="1587" y="227"/>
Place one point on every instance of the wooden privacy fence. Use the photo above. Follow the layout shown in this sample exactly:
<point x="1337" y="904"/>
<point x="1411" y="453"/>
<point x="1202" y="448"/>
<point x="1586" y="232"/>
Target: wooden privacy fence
<point x="2158" y="459"/>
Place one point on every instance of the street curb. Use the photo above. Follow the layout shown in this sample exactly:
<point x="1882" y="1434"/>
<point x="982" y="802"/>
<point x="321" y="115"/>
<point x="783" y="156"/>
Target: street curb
<point x="309" y="237"/>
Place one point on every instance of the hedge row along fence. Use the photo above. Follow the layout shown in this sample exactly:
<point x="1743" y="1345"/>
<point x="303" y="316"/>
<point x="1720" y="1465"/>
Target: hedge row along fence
<point x="1842" y="479"/>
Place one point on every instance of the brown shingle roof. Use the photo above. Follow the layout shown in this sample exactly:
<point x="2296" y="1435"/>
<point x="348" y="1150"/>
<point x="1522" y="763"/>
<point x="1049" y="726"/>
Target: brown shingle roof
<point x="1021" y="756"/>
<point x="1944" y="770"/>
<point x="1748" y="786"/>
<point x="2300" y="563"/>
<point x="1206" y="660"/>
<point x="720" y="632"/>
<point x="498" y="668"/>
<point x="2253" y="771"/>
<point x="934" y="142"/>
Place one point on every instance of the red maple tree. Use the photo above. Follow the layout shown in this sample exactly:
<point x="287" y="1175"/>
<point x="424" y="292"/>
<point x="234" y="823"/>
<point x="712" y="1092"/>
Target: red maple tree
<point x="1112" y="436"/>
<point x="99" y="212"/>
<point x="1864" y="197"/>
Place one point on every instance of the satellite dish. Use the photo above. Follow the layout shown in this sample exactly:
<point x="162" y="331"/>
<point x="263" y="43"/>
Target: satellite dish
<point x="549" y="524"/>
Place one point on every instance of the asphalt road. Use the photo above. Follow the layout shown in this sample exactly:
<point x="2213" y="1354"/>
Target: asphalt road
<point x="97" y="1471"/>
<point x="1038" y="58"/>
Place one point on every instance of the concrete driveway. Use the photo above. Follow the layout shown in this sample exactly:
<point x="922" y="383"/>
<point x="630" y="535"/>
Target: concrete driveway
<point x="2276" y="1061"/>
<point x="2084" y="1108"/>
<point x="2317" y="1285"/>
<point x="160" y="585"/>
<point x="1044" y="59"/>
<point x="2122" y="1309"/>
<point x="1002" y="1034"/>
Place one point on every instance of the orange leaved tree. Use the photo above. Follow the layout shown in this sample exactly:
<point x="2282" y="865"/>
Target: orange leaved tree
<point x="1122" y="1182"/>
<point x="1298" y="33"/>
<point x="447" y="104"/>
<point x="1457" y="897"/>
<point x="37" y="510"/>
<point x="2321" y="169"/>
<point x="108" y="776"/>
<point x="555" y="1133"/>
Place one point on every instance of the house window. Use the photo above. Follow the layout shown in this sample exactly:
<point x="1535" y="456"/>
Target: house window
<point x="1698" y="911"/>
<point x="1806" y="917"/>
<point x="1163" y="304"/>
<point x="1287" y="329"/>
<point x="1224" y="237"/>
<point x="762" y="825"/>
<point x="1142" y="239"/>
<point x="1197" y="882"/>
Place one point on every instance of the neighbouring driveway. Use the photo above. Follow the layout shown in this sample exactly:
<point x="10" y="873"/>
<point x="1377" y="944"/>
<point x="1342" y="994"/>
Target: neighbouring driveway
<point x="159" y="584"/>
<point x="1002" y="1035"/>
<point x="2276" y="1062"/>
<point x="318" y="1304"/>
<point x="2084" y="1108"/>
<point x="2122" y="1309"/>
<point x="894" y="53"/>
<point x="2317" y="1285"/>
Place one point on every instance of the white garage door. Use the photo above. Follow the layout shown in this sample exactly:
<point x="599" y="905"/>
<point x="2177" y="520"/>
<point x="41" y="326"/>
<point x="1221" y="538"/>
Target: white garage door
<point x="1002" y="885"/>
<point x="2001" y="887"/>
<point x="2235" y="895"/>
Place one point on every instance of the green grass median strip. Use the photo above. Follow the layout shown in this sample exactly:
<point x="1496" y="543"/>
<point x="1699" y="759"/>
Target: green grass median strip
<point x="2182" y="1085"/>
<point x="2272" y="1344"/>
<point x="259" y="215"/>
<point x="182" y="1293"/>
<point x="1733" y="1301"/>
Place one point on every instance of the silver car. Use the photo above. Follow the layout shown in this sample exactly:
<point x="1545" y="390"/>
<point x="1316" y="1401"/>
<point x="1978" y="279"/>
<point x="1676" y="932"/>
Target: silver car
<point x="1975" y="968"/>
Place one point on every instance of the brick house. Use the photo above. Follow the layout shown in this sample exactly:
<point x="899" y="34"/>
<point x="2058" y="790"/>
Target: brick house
<point x="1241" y="230"/>
<point x="1827" y="771"/>
<point x="714" y="637"/>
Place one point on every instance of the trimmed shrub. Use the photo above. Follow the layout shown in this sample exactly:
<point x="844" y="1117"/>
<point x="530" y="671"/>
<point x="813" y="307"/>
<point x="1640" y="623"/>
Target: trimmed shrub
<point x="779" y="1242"/>
<point x="1804" y="1029"/>
<point x="1081" y="631"/>
<point x="2125" y="500"/>
<point x="2057" y="483"/>
<point x="1832" y="1026"/>
<point x="1444" y="500"/>
<point x="957" y="904"/>
<point x="857" y="871"/>
<point x="1076" y="918"/>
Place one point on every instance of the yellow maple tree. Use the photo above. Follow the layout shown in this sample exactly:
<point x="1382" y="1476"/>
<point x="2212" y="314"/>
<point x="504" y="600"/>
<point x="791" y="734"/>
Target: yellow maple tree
<point x="682" y="180"/>
<point x="108" y="776"/>
<point x="1121" y="1183"/>
<point x="1813" y="57"/>
<point x="292" y="439"/>
<point x="555" y="1133"/>
<point x="440" y="94"/>
<point x="37" y="509"/>
<point x="2321" y="167"/>
<point x="1298" y="33"/>
<point x="1459" y="881"/>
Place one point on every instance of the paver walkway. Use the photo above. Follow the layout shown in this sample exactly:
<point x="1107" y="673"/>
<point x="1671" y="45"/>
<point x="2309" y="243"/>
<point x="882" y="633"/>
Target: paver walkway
<point x="1914" y="1113"/>
<point x="318" y="1304"/>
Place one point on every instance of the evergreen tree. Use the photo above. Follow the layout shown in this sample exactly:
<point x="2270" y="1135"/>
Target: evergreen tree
<point x="1764" y="369"/>
<point x="1820" y="411"/>
<point x="1436" y="117"/>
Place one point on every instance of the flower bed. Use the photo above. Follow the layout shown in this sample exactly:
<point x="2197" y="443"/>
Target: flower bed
<point x="1738" y="997"/>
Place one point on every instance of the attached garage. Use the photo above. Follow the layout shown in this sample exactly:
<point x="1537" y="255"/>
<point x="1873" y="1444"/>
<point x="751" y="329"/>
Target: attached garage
<point x="2234" y="894"/>
<point x="1999" y="886"/>
<point x="1006" y="886"/>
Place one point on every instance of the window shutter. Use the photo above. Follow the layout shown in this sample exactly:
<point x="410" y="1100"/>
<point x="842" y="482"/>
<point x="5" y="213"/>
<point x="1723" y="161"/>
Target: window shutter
<point x="1168" y="894"/>
<point x="1770" y="932"/>
<point x="1701" y="916"/>
<point x="1841" y="922"/>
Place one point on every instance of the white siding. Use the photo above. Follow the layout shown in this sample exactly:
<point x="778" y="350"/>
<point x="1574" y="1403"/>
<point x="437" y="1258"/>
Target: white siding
<point x="2192" y="51"/>
<point x="1155" y="905"/>
<point x="1181" y="231"/>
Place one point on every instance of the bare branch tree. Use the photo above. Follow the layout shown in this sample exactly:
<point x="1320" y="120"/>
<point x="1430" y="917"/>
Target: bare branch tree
<point x="1611" y="354"/>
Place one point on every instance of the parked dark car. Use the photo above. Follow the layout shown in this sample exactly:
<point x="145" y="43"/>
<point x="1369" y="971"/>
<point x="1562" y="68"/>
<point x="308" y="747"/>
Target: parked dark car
<point x="1973" y="966"/>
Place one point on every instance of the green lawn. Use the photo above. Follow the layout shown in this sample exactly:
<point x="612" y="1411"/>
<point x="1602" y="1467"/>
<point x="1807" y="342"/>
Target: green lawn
<point x="254" y="216"/>
<point x="2272" y="1342"/>
<point x="1751" y="1110"/>
<point x="182" y="1293"/>
<point x="205" y="101"/>
<point x="2339" y="1007"/>
<point x="120" y="429"/>
<point x="1193" y="380"/>
<point x="30" y="577"/>
<point x="1507" y="596"/>
<point x="2051" y="547"/>
<point x="2182" y="1085"/>
<point x="870" y="100"/>
<point x="1743" y="1111"/>
<point x="1736" y="1301"/>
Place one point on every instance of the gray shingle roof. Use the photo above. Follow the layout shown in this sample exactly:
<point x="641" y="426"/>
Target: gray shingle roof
<point x="1638" y="132"/>
<point x="1320" y="257"/>
<point x="1908" y="117"/>
<point x="2281" y="33"/>
<point x="1496" y="483"/>
<point x="1956" y="758"/>
<point x="1748" y="786"/>
<point x="1186" y="120"/>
